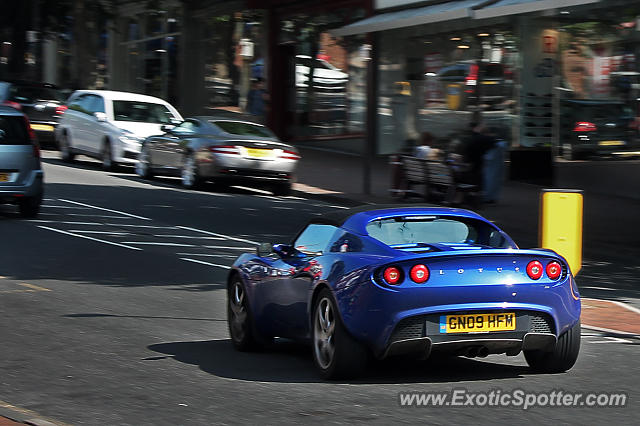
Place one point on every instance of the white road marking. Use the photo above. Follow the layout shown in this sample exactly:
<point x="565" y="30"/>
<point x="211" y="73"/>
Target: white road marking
<point x="612" y="340"/>
<point x="69" y="223"/>
<point x="607" y="330"/>
<point x="85" y="215"/>
<point x="228" y="237"/>
<point x="246" y="188"/>
<point x="101" y="232"/>
<point x="230" y="248"/>
<point x="205" y="263"/>
<point x="89" y="238"/>
<point x="599" y="288"/>
<point x="147" y="243"/>
<point x="615" y="302"/>
<point x="228" y="256"/>
<point x="189" y="236"/>
<point x="104" y="209"/>
<point x="138" y="226"/>
<point x="65" y="207"/>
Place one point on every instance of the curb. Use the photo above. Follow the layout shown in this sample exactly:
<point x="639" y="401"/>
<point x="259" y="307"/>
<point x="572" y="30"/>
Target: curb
<point x="24" y="416"/>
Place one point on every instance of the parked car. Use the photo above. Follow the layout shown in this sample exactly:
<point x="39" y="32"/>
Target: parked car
<point x="21" y="176"/>
<point x="474" y="82"/>
<point x="327" y="78"/>
<point x="41" y="102"/>
<point x="419" y="280"/>
<point x="222" y="149"/>
<point x="594" y="127"/>
<point x="111" y="125"/>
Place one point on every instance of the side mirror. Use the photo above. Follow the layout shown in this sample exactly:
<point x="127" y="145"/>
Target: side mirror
<point x="264" y="249"/>
<point x="100" y="116"/>
<point x="167" y="127"/>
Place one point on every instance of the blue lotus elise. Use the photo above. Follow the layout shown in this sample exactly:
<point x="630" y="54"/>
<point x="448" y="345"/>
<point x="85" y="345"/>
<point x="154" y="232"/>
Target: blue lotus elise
<point x="406" y="280"/>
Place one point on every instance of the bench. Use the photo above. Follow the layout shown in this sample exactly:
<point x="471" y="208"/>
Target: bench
<point x="437" y="180"/>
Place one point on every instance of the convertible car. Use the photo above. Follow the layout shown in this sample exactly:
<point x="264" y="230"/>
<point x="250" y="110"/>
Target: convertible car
<point x="412" y="280"/>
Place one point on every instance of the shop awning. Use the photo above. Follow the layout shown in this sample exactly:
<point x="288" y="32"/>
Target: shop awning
<point x="409" y="17"/>
<point x="515" y="7"/>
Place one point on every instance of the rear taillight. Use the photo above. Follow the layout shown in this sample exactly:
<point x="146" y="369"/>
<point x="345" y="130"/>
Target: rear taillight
<point x="534" y="270"/>
<point x="225" y="149"/>
<point x="419" y="274"/>
<point x="32" y="136"/>
<point x="585" y="126"/>
<point x="392" y="275"/>
<point x="289" y="155"/>
<point x="554" y="270"/>
<point x="60" y="109"/>
<point x="13" y="105"/>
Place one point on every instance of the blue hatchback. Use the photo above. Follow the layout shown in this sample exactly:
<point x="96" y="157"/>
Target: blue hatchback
<point x="409" y="280"/>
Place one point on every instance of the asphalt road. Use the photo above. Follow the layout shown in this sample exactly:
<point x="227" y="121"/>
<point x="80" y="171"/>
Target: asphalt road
<point x="112" y="311"/>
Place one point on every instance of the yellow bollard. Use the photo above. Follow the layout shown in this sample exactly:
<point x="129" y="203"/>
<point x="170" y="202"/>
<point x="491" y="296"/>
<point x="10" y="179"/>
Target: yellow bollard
<point x="561" y="224"/>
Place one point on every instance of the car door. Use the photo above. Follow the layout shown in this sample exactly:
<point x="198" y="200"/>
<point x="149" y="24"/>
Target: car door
<point x="165" y="147"/>
<point x="286" y="298"/>
<point x="95" y="129"/>
<point x="75" y="120"/>
<point x="185" y="132"/>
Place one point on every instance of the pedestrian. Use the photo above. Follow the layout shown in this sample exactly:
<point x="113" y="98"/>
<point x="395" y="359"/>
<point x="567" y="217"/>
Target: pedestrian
<point x="478" y="143"/>
<point x="257" y="98"/>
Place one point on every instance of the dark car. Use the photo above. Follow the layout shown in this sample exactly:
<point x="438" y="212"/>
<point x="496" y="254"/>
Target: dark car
<point x="221" y="149"/>
<point x="21" y="176"/>
<point x="594" y="127"/>
<point x="472" y="83"/>
<point x="41" y="102"/>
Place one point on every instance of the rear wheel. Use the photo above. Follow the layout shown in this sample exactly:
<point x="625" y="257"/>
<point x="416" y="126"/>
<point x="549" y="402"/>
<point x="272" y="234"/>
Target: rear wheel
<point x="107" y="157"/>
<point x="30" y="206"/>
<point x="563" y="356"/>
<point x="189" y="173"/>
<point x="66" y="152"/>
<point x="282" y="188"/>
<point x="143" y="166"/>
<point x="335" y="353"/>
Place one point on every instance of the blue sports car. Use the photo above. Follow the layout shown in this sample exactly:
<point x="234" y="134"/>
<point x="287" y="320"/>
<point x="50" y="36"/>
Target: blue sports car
<point x="406" y="280"/>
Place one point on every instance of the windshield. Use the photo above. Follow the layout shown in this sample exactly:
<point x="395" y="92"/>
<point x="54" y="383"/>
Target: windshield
<point x="31" y="94"/>
<point x="415" y="230"/>
<point x="144" y="112"/>
<point x="243" y="129"/>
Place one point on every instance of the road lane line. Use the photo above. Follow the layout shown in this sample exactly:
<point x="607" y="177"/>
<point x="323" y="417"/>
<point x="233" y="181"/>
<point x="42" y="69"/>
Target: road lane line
<point x="189" y="236"/>
<point x="89" y="238"/>
<point x="205" y="263"/>
<point x="228" y="237"/>
<point x="34" y="287"/>
<point x="231" y="248"/>
<point x="228" y="256"/>
<point x="149" y="243"/>
<point x="65" y="222"/>
<point x="102" y="216"/>
<point x="106" y="210"/>
<point x="123" y="225"/>
<point x="101" y="232"/>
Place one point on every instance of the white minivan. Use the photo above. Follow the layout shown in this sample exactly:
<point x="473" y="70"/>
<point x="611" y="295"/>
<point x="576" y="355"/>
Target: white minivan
<point x="111" y="125"/>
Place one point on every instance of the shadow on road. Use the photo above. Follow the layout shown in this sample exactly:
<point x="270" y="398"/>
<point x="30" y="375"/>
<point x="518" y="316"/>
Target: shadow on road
<point x="290" y="362"/>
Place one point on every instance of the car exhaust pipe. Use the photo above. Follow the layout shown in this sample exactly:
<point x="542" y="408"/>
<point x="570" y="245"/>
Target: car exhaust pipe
<point x="472" y="352"/>
<point x="483" y="352"/>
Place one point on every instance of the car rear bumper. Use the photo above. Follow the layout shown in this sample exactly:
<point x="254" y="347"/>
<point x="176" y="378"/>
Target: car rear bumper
<point x="30" y="186"/>
<point x="232" y="168"/>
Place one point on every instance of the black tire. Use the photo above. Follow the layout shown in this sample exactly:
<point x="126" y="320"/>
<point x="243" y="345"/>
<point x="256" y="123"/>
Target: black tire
<point x="563" y="356"/>
<point x="143" y="166"/>
<point x="29" y="207"/>
<point x="282" y="189"/>
<point x="66" y="152"/>
<point x="239" y="318"/>
<point x="106" y="155"/>
<point x="189" y="172"/>
<point x="336" y="353"/>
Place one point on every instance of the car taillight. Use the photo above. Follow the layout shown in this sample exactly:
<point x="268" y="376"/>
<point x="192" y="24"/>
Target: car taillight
<point x="472" y="78"/>
<point x="32" y="136"/>
<point x="534" y="269"/>
<point x="13" y="105"/>
<point x="554" y="270"/>
<point x="225" y="149"/>
<point x="60" y="109"/>
<point x="585" y="126"/>
<point x="392" y="275"/>
<point x="419" y="274"/>
<point x="289" y="155"/>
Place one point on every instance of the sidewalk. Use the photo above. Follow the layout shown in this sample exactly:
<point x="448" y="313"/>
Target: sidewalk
<point x="611" y="237"/>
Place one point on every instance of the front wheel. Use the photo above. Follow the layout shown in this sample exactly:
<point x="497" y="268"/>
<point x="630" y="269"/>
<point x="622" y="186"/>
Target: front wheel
<point x="239" y="318"/>
<point x="563" y="356"/>
<point x="107" y="157"/>
<point x="335" y="353"/>
<point x="66" y="152"/>
<point x="143" y="166"/>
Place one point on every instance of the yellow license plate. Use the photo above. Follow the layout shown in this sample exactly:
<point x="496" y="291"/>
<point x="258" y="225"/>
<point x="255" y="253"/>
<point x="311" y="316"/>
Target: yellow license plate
<point x="489" y="82"/>
<point x="502" y="321"/>
<point x="258" y="153"/>
<point x="611" y="143"/>
<point x="4" y="177"/>
<point x="42" y="127"/>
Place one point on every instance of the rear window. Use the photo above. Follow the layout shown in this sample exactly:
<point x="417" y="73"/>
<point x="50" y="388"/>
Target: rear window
<point x="494" y="71"/>
<point x="143" y="112"/>
<point x="13" y="131"/>
<point x="243" y="129"/>
<point x="31" y="94"/>
<point x="415" y="230"/>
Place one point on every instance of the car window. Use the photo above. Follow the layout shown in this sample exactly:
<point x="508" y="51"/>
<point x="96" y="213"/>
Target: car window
<point x="95" y="104"/>
<point x="242" y="129"/>
<point x="13" y="130"/>
<point x="81" y="104"/>
<point x="31" y="94"/>
<point x="494" y="71"/>
<point x="144" y="112"/>
<point x="314" y="239"/>
<point x="187" y="127"/>
<point x="405" y="230"/>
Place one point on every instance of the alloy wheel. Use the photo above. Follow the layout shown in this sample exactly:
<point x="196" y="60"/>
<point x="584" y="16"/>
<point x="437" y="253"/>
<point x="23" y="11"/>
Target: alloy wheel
<point x="238" y="312"/>
<point x="324" y="328"/>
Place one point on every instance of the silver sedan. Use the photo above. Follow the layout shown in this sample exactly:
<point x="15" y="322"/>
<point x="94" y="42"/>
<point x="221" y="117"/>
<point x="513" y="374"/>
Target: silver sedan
<point x="220" y="149"/>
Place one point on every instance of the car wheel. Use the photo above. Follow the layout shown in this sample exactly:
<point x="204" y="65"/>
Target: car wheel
<point x="563" y="356"/>
<point x="29" y="207"/>
<point x="282" y="189"/>
<point x="335" y="353"/>
<point x="143" y="166"/>
<point x="107" y="157"/>
<point x="66" y="152"/>
<point x="189" y="173"/>
<point x="239" y="318"/>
